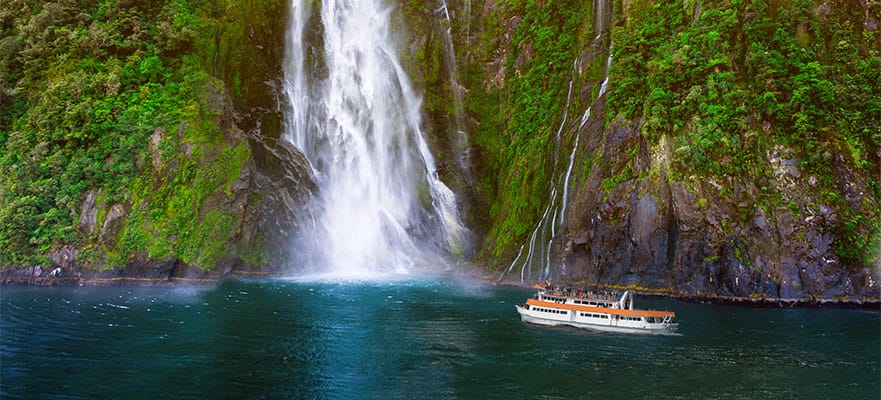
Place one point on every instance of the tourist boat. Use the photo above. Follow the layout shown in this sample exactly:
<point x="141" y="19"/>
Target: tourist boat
<point x="593" y="311"/>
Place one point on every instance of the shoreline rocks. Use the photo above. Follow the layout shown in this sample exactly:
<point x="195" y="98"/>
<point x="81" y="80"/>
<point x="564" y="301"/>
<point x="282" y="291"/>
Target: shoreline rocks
<point x="172" y="273"/>
<point x="754" y="300"/>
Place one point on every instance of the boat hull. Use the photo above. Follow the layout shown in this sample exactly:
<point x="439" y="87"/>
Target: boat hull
<point x="529" y="316"/>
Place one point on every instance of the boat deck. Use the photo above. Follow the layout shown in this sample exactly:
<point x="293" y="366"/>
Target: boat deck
<point x="584" y="309"/>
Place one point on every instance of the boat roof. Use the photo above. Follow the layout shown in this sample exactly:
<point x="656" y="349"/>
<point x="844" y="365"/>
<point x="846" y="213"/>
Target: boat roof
<point x="602" y="310"/>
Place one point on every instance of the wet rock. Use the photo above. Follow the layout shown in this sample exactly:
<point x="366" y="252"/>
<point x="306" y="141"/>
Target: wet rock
<point x="155" y="141"/>
<point x="644" y="219"/>
<point x="89" y="211"/>
<point x="64" y="257"/>
<point x="760" y="221"/>
<point x="113" y="221"/>
<point x="279" y="185"/>
<point x="790" y="282"/>
<point x="715" y="236"/>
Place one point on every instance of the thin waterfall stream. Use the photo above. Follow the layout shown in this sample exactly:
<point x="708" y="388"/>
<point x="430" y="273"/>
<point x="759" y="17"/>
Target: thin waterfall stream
<point x="540" y="244"/>
<point x="353" y="112"/>
<point x="458" y="134"/>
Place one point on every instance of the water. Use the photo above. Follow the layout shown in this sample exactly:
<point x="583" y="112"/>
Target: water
<point x="417" y="338"/>
<point x="353" y="112"/>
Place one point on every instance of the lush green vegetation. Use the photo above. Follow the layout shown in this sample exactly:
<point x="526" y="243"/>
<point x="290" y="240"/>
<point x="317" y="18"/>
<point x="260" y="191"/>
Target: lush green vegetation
<point x="516" y="134"/>
<point x="84" y="84"/>
<point x="740" y="80"/>
<point x="87" y="85"/>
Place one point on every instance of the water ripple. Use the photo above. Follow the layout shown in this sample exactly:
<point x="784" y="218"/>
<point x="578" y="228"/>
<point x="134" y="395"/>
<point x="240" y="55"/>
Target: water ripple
<point x="420" y="339"/>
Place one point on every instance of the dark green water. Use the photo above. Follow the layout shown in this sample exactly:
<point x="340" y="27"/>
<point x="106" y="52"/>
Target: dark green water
<point x="411" y="339"/>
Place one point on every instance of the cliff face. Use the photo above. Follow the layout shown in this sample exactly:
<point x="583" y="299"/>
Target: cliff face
<point x="689" y="238"/>
<point x="697" y="147"/>
<point x="738" y="174"/>
<point x="154" y="152"/>
<point x="736" y="151"/>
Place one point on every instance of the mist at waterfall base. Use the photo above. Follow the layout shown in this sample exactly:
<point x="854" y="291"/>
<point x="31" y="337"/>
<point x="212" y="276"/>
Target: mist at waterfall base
<point x="351" y="109"/>
<point x="406" y="339"/>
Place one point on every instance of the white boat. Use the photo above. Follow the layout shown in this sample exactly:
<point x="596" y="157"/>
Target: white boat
<point x="593" y="311"/>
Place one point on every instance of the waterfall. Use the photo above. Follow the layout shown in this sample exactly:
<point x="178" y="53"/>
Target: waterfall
<point x="602" y="14"/>
<point x="541" y="240"/>
<point x="353" y="112"/>
<point x="554" y="215"/>
<point x="603" y="86"/>
<point x="459" y="135"/>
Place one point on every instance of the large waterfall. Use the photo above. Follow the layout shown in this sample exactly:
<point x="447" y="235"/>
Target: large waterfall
<point x="355" y="115"/>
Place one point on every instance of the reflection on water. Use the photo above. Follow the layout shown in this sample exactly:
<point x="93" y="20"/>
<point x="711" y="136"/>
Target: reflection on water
<point x="417" y="338"/>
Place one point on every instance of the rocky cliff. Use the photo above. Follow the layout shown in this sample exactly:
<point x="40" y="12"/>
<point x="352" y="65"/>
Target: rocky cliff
<point x="735" y="153"/>
<point x="693" y="147"/>
<point x="155" y="153"/>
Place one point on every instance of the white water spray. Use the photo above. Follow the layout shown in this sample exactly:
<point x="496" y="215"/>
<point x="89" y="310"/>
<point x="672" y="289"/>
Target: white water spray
<point x="353" y="112"/>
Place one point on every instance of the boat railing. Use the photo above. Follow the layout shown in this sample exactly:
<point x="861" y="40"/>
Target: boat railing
<point x="606" y="297"/>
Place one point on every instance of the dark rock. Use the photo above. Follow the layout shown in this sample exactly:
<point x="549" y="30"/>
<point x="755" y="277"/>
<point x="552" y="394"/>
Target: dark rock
<point x="64" y="257"/>
<point x="790" y="284"/>
<point x="278" y="185"/>
<point x="644" y="219"/>
<point x="89" y="212"/>
<point x="713" y="237"/>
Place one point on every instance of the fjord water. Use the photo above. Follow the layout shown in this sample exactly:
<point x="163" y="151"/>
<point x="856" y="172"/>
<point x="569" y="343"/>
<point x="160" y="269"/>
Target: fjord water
<point x="416" y="338"/>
